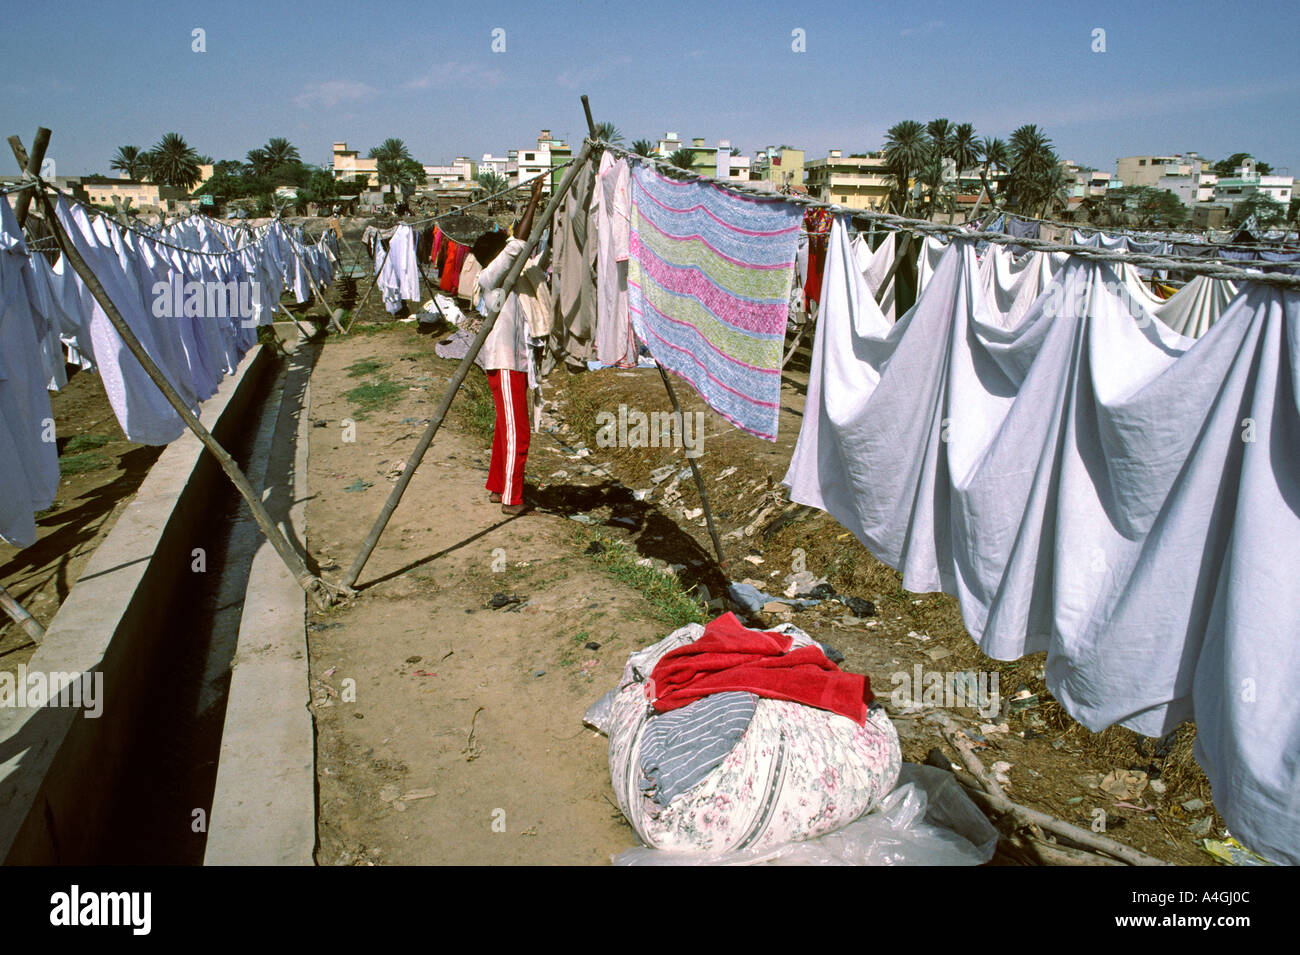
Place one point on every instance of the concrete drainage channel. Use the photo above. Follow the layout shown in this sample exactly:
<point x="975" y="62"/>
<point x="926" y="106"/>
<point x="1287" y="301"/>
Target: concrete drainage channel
<point x="203" y="751"/>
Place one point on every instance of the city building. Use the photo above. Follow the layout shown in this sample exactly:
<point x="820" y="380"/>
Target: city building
<point x="1147" y="170"/>
<point x="461" y="169"/>
<point x="1246" y="181"/>
<point x="858" y="182"/>
<point x="348" y="163"/>
<point x="782" y="165"/>
<point x="144" y="196"/>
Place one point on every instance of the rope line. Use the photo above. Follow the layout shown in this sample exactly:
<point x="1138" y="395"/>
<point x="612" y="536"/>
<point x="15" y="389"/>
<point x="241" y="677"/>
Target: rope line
<point x="936" y="229"/>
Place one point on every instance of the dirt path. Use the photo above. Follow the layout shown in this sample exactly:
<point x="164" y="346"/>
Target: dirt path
<point x="472" y="713"/>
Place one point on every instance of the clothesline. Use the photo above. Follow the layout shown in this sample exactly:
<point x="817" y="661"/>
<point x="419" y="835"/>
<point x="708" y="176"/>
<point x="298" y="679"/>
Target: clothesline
<point x="903" y="223"/>
<point x="478" y="202"/>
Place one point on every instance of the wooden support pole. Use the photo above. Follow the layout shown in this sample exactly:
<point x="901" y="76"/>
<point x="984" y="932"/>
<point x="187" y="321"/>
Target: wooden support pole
<point x="996" y="798"/>
<point x="311" y="280"/>
<point x="677" y="407"/>
<point x="316" y="588"/>
<point x="32" y="166"/>
<point x="20" y="616"/>
<point x="421" y="446"/>
<point x="900" y="252"/>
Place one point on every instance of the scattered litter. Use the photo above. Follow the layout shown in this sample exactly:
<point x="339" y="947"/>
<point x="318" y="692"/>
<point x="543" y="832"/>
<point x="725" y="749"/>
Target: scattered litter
<point x="414" y="659"/>
<point x="330" y="671"/>
<point x="415" y="794"/>
<point x="584" y="519"/>
<point x="539" y="673"/>
<point x="560" y="474"/>
<point x="754" y="559"/>
<point x="1074" y="800"/>
<point x="693" y="513"/>
<point x="1022" y="700"/>
<point x="1232" y="852"/>
<point x="918" y="636"/>
<point x="726" y="473"/>
<point x="1124" y="783"/>
<point x="1142" y="808"/>
<point x="500" y="600"/>
<point x="591" y="645"/>
<point x="859" y="607"/>
<point x="358" y="485"/>
<point x="1194" y="805"/>
<point x="389" y="793"/>
<point x="659" y="475"/>
<point x="1201" y="827"/>
<point x="1158" y="787"/>
<point x="642" y="494"/>
<point x="937" y="653"/>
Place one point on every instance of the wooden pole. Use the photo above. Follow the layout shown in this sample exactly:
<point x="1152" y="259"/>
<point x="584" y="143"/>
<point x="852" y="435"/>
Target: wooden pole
<point x="32" y="167"/>
<point x="421" y="446"/>
<point x="311" y="280"/>
<point x="677" y="408"/>
<point x="20" y="616"/>
<point x="316" y="588"/>
<point x="900" y="252"/>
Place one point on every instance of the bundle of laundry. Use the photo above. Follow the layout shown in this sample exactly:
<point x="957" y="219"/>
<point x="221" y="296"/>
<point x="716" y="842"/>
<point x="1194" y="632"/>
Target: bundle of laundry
<point x="723" y="738"/>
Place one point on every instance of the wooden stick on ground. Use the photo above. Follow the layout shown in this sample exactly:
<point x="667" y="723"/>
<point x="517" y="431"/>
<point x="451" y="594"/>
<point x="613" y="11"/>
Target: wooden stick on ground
<point x="677" y="408"/>
<point x="20" y="616"/>
<point x="997" y="799"/>
<point x="507" y="288"/>
<point x="316" y="588"/>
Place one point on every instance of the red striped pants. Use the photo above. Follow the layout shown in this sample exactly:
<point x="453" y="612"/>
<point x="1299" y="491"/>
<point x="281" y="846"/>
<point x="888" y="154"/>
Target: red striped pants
<point x="510" y="436"/>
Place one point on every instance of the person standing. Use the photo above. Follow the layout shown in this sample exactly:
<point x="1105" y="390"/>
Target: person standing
<point x="506" y="358"/>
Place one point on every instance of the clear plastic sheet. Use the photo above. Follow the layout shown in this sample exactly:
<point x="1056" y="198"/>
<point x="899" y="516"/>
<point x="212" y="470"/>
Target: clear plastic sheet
<point x="926" y="820"/>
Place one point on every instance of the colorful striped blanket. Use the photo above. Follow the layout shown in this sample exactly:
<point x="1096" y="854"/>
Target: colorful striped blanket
<point x="708" y="290"/>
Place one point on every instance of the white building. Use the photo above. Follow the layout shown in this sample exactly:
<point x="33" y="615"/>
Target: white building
<point x="461" y="169"/>
<point x="497" y="164"/>
<point x="1246" y="182"/>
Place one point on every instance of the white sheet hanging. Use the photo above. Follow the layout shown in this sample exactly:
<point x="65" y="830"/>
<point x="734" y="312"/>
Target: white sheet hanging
<point x="1089" y="484"/>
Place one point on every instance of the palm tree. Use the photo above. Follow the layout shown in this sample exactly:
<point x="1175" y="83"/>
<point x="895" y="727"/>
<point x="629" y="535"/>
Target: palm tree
<point x="940" y="133"/>
<point x="643" y="147"/>
<point x="1032" y="160"/>
<point x="280" y="152"/>
<point x="906" y="149"/>
<point x="394" y="166"/>
<point x="996" y="157"/>
<point x="258" y="162"/>
<point x="609" y="133"/>
<point x="683" y="159"/>
<point x="965" y="147"/>
<point x="174" y="162"/>
<point x="492" y="183"/>
<point x="130" y="160"/>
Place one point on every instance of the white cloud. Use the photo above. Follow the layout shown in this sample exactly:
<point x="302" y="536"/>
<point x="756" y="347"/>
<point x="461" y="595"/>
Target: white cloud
<point x="447" y="76"/>
<point x="333" y="92"/>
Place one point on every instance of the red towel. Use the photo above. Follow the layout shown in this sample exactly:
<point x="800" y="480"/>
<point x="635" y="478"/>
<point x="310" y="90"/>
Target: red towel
<point x="731" y="657"/>
<point x="449" y="279"/>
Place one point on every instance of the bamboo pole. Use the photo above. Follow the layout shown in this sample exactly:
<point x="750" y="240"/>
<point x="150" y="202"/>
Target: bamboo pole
<point x="677" y="408"/>
<point x="421" y="446"/>
<point x="32" y="167"/>
<point x="20" y="616"/>
<point x="316" y="588"/>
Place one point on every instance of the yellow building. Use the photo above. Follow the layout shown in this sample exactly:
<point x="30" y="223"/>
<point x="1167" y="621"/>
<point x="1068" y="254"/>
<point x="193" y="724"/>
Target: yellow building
<point x="857" y="182"/>
<point x="348" y="163"/>
<point x="781" y="165"/>
<point x="144" y="196"/>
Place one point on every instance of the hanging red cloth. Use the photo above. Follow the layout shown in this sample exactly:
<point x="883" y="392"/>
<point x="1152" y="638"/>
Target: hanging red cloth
<point x="817" y="223"/>
<point x="438" y="238"/>
<point x="730" y="657"/>
<point x="449" y="277"/>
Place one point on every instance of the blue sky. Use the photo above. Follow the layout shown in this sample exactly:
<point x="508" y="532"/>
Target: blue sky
<point x="1213" y="77"/>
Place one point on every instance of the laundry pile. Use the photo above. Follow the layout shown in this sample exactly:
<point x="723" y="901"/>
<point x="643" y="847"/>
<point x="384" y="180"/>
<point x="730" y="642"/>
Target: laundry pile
<point x="724" y="738"/>
<point x="195" y="309"/>
<point x="1089" y="483"/>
